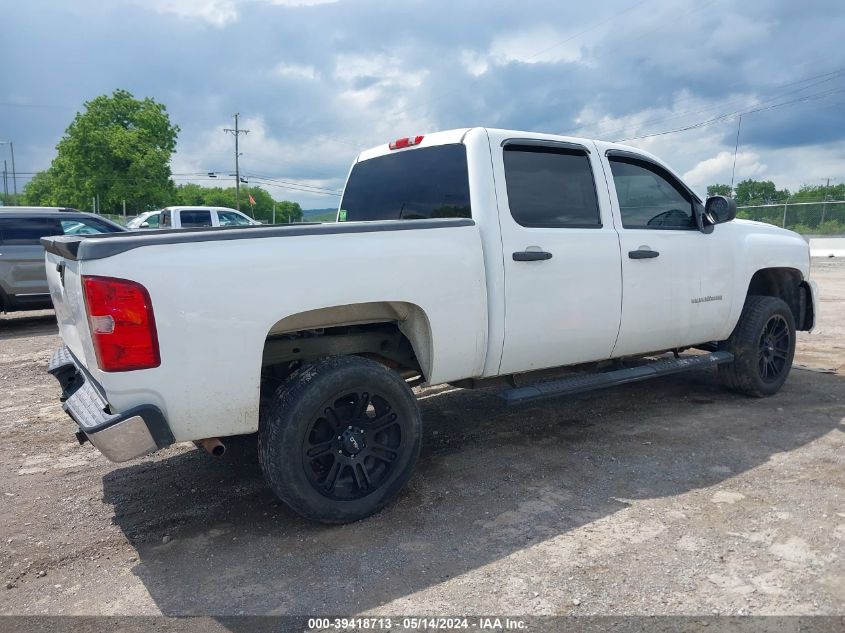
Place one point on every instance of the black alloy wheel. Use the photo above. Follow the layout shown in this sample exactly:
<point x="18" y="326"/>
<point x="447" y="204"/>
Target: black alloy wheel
<point x="763" y="345"/>
<point x="774" y="348"/>
<point x="340" y="438"/>
<point x="352" y="446"/>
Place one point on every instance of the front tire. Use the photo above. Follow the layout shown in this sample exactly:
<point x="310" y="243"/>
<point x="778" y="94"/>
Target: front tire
<point x="763" y="345"/>
<point x="340" y="439"/>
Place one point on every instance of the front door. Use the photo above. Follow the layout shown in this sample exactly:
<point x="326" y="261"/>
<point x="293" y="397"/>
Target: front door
<point x="665" y="261"/>
<point x="563" y="287"/>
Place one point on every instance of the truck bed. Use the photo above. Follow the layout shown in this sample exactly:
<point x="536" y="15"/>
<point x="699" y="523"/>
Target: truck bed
<point x="218" y="294"/>
<point x="78" y="247"/>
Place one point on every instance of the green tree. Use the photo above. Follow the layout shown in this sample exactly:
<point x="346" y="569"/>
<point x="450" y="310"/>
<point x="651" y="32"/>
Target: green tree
<point x="719" y="190"/>
<point x="749" y="192"/>
<point x="119" y="149"/>
<point x="287" y="211"/>
<point x="39" y="192"/>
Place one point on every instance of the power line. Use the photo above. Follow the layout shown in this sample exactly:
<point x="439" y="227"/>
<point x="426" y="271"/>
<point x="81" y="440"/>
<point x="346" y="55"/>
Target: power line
<point x="294" y="188"/>
<point x="260" y="181"/>
<point x="205" y="176"/>
<point x="732" y="115"/>
<point x="829" y="76"/>
<point x="295" y="183"/>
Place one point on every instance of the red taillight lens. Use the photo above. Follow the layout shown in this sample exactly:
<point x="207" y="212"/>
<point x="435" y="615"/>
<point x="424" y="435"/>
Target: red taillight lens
<point x="408" y="141"/>
<point x="122" y="323"/>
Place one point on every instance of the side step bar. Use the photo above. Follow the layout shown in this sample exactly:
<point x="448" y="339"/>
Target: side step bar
<point x="591" y="382"/>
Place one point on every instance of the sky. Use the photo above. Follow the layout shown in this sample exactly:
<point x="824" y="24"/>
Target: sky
<point x="317" y="81"/>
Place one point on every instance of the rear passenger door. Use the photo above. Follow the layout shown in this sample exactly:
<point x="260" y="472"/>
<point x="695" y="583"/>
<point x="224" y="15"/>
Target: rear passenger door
<point x="21" y="255"/>
<point x="563" y="287"/>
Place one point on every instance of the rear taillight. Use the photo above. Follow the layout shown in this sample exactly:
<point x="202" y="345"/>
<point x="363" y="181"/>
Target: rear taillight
<point x="408" y="141"/>
<point x="122" y="323"/>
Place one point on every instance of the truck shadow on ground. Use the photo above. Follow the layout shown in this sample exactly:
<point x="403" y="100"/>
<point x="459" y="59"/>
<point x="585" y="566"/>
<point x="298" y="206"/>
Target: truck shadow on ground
<point x="23" y="325"/>
<point x="492" y="481"/>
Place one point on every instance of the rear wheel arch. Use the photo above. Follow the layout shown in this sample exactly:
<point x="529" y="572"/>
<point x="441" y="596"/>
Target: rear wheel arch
<point x="395" y="333"/>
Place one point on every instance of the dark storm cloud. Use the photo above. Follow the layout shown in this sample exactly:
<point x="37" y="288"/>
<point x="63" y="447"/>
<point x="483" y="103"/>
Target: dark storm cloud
<point x="327" y="80"/>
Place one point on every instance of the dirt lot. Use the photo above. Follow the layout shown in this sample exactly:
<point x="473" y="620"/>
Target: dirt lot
<point x="660" y="498"/>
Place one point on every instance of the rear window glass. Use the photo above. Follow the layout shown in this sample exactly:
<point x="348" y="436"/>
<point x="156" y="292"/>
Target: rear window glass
<point x="195" y="218"/>
<point x="27" y="230"/>
<point x="416" y="184"/>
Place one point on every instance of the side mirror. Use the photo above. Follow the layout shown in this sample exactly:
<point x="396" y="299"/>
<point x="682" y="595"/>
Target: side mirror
<point x="144" y="225"/>
<point x="719" y="209"/>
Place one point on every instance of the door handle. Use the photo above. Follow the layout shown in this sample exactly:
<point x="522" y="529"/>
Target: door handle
<point x="531" y="256"/>
<point x="643" y="254"/>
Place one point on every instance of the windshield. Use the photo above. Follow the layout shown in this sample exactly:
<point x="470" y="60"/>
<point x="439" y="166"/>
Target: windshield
<point x="150" y="217"/>
<point x="429" y="182"/>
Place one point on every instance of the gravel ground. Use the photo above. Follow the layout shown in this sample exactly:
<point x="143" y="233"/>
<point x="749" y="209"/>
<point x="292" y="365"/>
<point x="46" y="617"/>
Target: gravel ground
<point x="667" y="497"/>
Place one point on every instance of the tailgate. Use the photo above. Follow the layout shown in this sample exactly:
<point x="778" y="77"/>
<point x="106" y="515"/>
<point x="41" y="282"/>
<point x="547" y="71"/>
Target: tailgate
<point x="66" y="292"/>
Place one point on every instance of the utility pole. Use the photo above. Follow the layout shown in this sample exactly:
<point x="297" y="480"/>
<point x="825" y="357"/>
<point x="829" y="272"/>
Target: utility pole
<point x="236" y="132"/>
<point x="14" y="173"/>
<point x="6" y="185"/>
<point x="736" y="149"/>
<point x="824" y="206"/>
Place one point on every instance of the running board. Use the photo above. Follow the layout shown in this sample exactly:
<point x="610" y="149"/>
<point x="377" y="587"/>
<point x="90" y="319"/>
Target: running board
<point x="591" y="382"/>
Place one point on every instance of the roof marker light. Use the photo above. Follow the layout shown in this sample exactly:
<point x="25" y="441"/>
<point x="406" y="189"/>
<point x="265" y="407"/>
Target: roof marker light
<point x="408" y="141"/>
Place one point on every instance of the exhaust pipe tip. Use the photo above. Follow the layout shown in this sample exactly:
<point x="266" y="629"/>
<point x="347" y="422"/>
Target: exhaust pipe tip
<point x="213" y="446"/>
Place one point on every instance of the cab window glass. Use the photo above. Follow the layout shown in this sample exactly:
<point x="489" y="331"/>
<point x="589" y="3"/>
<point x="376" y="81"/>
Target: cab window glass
<point x="190" y="219"/>
<point x="23" y="231"/>
<point x="551" y="187"/>
<point x="649" y="198"/>
<point x="229" y="218"/>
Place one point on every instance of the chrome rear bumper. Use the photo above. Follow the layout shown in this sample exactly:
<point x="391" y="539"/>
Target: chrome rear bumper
<point x="118" y="436"/>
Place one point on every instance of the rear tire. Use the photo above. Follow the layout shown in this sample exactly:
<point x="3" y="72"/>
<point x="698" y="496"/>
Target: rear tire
<point x="763" y="345"/>
<point x="340" y="439"/>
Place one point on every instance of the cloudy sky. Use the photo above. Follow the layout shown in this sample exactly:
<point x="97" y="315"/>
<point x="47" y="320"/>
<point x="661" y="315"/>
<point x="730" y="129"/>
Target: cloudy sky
<point x="316" y="81"/>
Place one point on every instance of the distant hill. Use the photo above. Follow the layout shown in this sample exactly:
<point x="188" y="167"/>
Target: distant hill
<point x="319" y="215"/>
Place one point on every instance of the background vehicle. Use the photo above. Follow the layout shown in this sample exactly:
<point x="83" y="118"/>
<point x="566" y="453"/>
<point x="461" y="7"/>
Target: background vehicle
<point x="23" y="282"/>
<point x="467" y="257"/>
<point x="190" y="217"/>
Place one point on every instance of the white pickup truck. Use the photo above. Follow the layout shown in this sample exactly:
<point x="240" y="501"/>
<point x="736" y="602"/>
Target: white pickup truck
<point x="469" y="257"/>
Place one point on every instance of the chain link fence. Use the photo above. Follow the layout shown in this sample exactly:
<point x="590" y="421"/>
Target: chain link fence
<point x="807" y="218"/>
